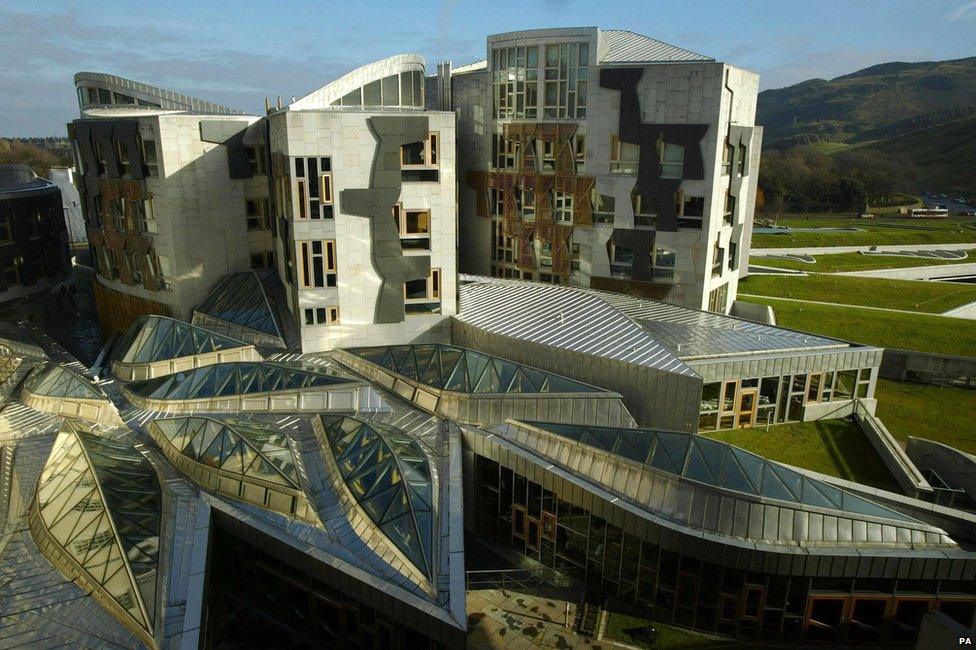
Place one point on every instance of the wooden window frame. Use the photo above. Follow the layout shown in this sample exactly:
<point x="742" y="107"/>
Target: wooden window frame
<point x="431" y="153"/>
<point x="616" y="163"/>
<point x="307" y="257"/>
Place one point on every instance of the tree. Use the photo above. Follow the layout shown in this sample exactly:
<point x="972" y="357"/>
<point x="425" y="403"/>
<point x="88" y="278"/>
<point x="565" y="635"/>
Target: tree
<point x="37" y="158"/>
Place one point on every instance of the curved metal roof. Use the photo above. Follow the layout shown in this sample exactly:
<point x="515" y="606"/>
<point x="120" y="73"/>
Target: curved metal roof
<point x="623" y="46"/>
<point x="159" y="97"/>
<point x="565" y="317"/>
<point x="157" y="338"/>
<point x="466" y="371"/>
<point x="389" y="475"/>
<point x="331" y="93"/>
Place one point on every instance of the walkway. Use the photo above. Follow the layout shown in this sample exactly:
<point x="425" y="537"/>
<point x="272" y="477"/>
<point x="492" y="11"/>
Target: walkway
<point x="827" y="250"/>
<point x="917" y="272"/>
<point x="838" y="304"/>
<point x="501" y="618"/>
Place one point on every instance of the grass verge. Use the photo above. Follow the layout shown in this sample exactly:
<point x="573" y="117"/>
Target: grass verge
<point x="942" y="414"/>
<point x="668" y="636"/>
<point x="835" y="447"/>
<point x="877" y="232"/>
<point x="912" y="295"/>
<point x="922" y="332"/>
<point x="840" y="262"/>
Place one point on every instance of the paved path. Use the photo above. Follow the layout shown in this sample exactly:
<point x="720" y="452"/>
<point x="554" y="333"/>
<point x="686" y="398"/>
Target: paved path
<point x="966" y="311"/>
<point x="917" y="272"/>
<point x="837" y="304"/>
<point x="827" y="250"/>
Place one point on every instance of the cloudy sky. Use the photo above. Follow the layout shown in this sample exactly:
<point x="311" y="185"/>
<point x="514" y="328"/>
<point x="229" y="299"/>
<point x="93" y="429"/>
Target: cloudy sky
<point x="238" y="53"/>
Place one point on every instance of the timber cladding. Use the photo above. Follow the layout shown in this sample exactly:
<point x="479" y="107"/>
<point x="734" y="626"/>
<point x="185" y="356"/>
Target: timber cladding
<point x="117" y="310"/>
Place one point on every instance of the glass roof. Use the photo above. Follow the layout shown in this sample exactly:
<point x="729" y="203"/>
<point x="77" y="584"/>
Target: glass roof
<point x="240" y="378"/>
<point x="389" y="474"/>
<point x="52" y="380"/>
<point x="100" y="500"/>
<point x="465" y="371"/>
<point x="720" y="464"/>
<point x="154" y="338"/>
<point x="240" y="298"/>
<point x="248" y="449"/>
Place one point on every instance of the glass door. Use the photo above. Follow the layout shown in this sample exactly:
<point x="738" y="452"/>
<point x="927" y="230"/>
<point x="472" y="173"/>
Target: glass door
<point x="746" y="410"/>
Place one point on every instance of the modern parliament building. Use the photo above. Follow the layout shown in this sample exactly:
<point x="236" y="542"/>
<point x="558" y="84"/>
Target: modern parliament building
<point x="309" y="416"/>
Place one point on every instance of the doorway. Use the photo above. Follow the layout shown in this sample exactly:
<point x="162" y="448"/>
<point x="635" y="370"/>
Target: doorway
<point x="745" y="412"/>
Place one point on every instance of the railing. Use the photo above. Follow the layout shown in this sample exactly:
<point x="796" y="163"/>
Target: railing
<point x="906" y="474"/>
<point x="514" y="579"/>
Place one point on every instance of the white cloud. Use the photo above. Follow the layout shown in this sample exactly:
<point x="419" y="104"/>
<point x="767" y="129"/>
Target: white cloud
<point x="966" y="11"/>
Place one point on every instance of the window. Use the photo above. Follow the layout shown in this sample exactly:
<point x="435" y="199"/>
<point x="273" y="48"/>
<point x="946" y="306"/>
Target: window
<point x="733" y="257"/>
<point x="545" y="253"/>
<point x="262" y="260"/>
<point x="134" y="264"/>
<point x="125" y="168"/>
<point x="11" y="273"/>
<point x="566" y="79"/>
<point x="717" y="298"/>
<point x="4" y="227"/>
<point x="423" y="296"/>
<point x="624" y="157"/>
<point x="603" y="207"/>
<point x="414" y="228"/>
<point x="726" y="157"/>
<point x="420" y="154"/>
<point x="672" y="157"/>
<point x="864" y="383"/>
<point x="144" y="215"/>
<point x="525" y="200"/>
<point x="740" y="163"/>
<point x="322" y="315"/>
<point x="691" y="211"/>
<point x="150" y="162"/>
<point x="515" y="77"/>
<point x="728" y="214"/>
<point x="116" y="211"/>
<point x="718" y="258"/>
<point x="563" y="207"/>
<point x="419" y="160"/>
<point x="663" y="263"/>
<point x="318" y="264"/>
<point x="621" y="261"/>
<point x="255" y="157"/>
<point x="548" y="156"/>
<point x="258" y="212"/>
<point x="504" y="152"/>
<point x="645" y="211"/>
<point x="315" y="192"/>
<point x="580" y="151"/>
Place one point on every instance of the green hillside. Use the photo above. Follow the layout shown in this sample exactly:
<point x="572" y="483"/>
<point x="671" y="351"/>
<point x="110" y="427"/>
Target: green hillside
<point x="924" y="113"/>
<point x="866" y="103"/>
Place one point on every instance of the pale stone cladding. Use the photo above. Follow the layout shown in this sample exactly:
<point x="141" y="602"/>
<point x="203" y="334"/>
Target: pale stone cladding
<point x="198" y="226"/>
<point x="707" y="94"/>
<point x="347" y="138"/>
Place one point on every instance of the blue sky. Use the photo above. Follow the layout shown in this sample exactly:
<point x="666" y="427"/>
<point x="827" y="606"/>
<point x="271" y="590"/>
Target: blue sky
<point x="238" y="53"/>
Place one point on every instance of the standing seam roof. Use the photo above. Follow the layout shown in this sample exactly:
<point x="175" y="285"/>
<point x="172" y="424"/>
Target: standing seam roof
<point x="623" y="46"/>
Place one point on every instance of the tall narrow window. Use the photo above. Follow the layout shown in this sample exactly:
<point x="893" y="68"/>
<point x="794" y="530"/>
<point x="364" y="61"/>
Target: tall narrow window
<point x="302" y="201"/>
<point x="672" y="157"/>
<point x="125" y="167"/>
<point x="255" y="158"/>
<point x="325" y="195"/>
<point x="624" y="156"/>
<point x="423" y="296"/>
<point x="149" y="158"/>
<point x="318" y="264"/>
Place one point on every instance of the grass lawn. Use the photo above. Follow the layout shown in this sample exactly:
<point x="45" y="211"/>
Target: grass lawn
<point x="873" y="232"/>
<point x="668" y="636"/>
<point x="913" y="295"/>
<point x="922" y="332"/>
<point x="838" y="262"/>
<point x="835" y="447"/>
<point x="946" y="415"/>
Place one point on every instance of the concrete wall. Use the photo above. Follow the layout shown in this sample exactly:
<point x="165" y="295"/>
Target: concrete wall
<point x="347" y="138"/>
<point x="928" y="368"/>
<point x="71" y="202"/>
<point x="956" y="468"/>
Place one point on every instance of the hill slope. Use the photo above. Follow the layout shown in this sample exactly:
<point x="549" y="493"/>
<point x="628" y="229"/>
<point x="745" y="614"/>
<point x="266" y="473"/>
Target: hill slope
<point x="925" y="111"/>
<point x="882" y="100"/>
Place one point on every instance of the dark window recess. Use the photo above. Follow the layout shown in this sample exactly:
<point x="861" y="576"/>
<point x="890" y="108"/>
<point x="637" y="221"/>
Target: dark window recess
<point x="694" y="206"/>
<point x="420" y="176"/>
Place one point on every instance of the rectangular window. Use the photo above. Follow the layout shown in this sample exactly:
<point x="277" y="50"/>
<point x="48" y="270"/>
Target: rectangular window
<point x="728" y="214"/>
<point x="149" y="159"/>
<point x="125" y="167"/>
<point x="322" y="315"/>
<point x="11" y="273"/>
<point x="420" y="154"/>
<point x="258" y="212"/>
<point x="4" y="227"/>
<point x="563" y="205"/>
<point x="413" y="227"/>
<point x="726" y="156"/>
<point x="663" y="263"/>
<point x="621" y="261"/>
<point x="645" y="211"/>
<point x="302" y="201"/>
<point x="318" y="264"/>
<point x="624" y="156"/>
<point x="423" y="296"/>
<point x="672" y="158"/>
<point x="580" y="151"/>
<point x="603" y="206"/>
<point x="255" y="157"/>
